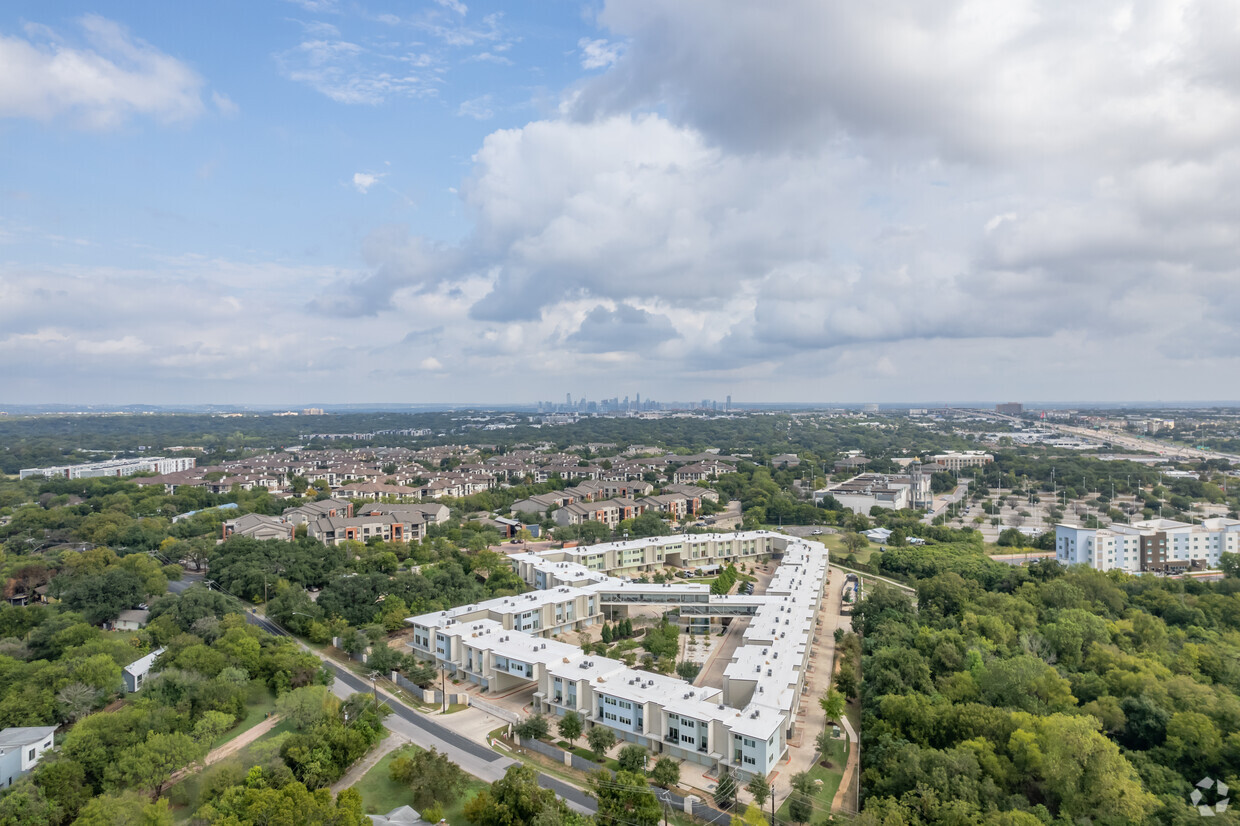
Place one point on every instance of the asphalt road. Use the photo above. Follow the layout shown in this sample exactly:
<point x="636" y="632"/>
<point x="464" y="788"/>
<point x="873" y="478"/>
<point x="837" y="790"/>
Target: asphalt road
<point x="473" y="757"/>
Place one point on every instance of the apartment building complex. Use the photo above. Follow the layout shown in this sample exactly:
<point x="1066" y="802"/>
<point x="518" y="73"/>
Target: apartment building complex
<point x="744" y="725"/>
<point x="1156" y="546"/>
<point x="113" y="467"/>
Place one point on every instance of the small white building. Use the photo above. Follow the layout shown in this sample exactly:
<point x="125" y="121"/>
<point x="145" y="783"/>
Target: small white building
<point x="136" y="673"/>
<point x="20" y="750"/>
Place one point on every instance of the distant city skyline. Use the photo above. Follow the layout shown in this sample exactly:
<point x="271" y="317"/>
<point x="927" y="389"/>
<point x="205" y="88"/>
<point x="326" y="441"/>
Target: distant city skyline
<point x="304" y="202"/>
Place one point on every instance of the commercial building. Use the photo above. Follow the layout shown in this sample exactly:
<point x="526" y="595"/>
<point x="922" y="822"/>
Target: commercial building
<point x="744" y="726"/>
<point x="892" y="491"/>
<point x="1010" y="409"/>
<point x="113" y="467"/>
<point x="1156" y="546"/>
<point x="958" y="460"/>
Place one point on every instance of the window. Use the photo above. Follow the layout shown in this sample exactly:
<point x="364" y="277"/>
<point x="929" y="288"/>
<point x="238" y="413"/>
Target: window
<point x="31" y="755"/>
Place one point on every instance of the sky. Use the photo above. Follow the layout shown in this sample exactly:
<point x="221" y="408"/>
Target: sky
<point x="329" y="201"/>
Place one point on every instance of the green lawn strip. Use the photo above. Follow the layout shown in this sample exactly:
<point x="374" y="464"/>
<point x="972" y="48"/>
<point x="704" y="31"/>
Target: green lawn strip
<point x="261" y="706"/>
<point x="830" y="783"/>
<point x="380" y="794"/>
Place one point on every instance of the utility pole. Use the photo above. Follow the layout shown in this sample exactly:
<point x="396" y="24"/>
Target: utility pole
<point x="772" y="804"/>
<point x="443" y="686"/>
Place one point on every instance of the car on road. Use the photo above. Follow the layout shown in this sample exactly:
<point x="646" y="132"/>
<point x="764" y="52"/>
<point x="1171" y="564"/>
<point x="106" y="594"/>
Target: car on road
<point x="816" y="532"/>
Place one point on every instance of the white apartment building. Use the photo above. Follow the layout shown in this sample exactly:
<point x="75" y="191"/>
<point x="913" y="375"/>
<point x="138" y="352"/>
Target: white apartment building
<point x="1159" y="546"/>
<point x="114" y="467"/>
<point x="503" y="644"/>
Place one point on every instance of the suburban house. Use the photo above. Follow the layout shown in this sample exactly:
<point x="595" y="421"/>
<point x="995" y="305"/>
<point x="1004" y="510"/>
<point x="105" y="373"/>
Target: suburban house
<point x="20" y="750"/>
<point x="130" y="620"/>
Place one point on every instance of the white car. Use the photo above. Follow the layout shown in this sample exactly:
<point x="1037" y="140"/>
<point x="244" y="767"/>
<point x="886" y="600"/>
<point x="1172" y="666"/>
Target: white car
<point x="815" y="532"/>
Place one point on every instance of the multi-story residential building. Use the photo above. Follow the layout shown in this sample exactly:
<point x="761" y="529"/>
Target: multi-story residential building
<point x="1157" y="546"/>
<point x="257" y="526"/>
<point x="744" y="726"/>
<point x="332" y="530"/>
<point x="113" y="467"/>
<point x="1010" y="408"/>
<point x="311" y="511"/>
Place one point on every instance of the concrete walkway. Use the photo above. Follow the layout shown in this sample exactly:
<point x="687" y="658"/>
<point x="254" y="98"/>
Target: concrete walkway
<point x="845" y="800"/>
<point x="358" y="770"/>
<point x="227" y="750"/>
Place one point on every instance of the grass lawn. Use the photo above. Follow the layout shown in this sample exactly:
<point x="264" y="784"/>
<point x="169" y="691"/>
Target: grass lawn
<point x="830" y="781"/>
<point x="380" y="794"/>
<point x="262" y="703"/>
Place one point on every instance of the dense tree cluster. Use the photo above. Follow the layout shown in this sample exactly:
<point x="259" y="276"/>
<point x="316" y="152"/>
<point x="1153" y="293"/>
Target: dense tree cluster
<point x="1020" y="696"/>
<point x="57" y="668"/>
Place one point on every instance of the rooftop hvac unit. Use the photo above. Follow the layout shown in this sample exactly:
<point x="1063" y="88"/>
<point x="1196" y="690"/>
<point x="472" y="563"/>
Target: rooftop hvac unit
<point x="775" y="655"/>
<point x="685" y="697"/>
<point x="761" y="690"/>
<point x="768" y="672"/>
<point x="758" y="668"/>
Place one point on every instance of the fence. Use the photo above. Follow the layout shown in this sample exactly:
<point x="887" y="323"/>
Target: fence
<point x="507" y="715"/>
<point x="691" y="803"/>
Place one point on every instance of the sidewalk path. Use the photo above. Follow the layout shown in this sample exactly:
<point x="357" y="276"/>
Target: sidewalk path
<point x="358" y="770"/>
<point x="227" y="750"/>
<point x="844" y="799"/>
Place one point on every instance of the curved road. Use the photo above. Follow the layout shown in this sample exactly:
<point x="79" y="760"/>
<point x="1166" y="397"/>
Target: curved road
<point x="473" y="757"/>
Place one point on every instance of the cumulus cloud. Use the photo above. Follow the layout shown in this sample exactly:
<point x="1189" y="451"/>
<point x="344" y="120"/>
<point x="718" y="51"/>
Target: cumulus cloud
<point x="969" y="78"/>
<point x="597" y="54"/>
<point x="100" y="83"/>
<point x="363" y="181"/>
<point x="828" y="201"/>
<point x="625" y="328"/>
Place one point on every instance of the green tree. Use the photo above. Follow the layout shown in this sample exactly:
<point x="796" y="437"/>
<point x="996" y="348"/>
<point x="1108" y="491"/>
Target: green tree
<point x="431" y="777"/>
<point x="516" y="799"/>
<point x="534" y="727"/>
<point x="570" y="726"/>
<point x="633" y="758"/>
<point x="625" y="800"/>
<point x="666" y="772"/>
<point x="600" y="738"/>
<point x="758" y="789"/>
<point x="606" y="634"/>
<point x="150" y="764"/>
<point x="832" y="704"/>
<point x="801" y="799"/>
<point x="725" y="790"/>
<point x="124" y="809"/>
<point x="306" y="706"/>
